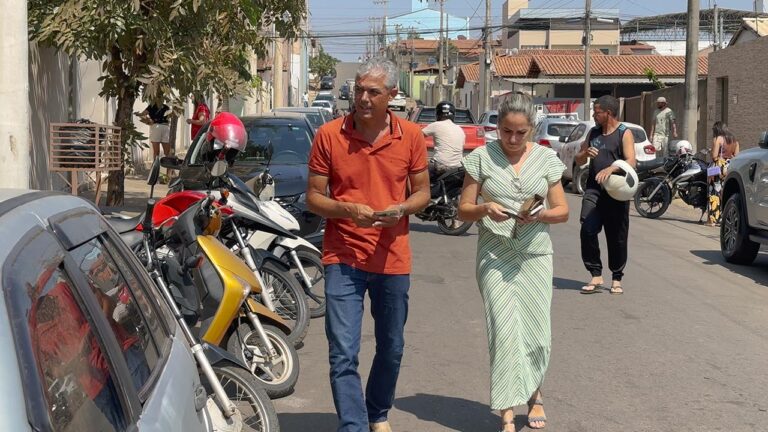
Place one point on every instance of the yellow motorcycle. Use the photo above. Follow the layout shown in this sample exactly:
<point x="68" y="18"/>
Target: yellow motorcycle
<point x="212" y="288"/>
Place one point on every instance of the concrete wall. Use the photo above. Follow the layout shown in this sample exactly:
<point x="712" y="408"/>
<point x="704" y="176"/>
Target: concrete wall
<point x="744" y="106"/>
<point x="639" y="110"/>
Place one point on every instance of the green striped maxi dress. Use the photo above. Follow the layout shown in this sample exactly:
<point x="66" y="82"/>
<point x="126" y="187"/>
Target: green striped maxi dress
<point x="514" y="273"/>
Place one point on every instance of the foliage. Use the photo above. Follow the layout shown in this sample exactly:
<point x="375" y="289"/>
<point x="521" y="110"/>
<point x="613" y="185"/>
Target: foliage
<point x="163" y="50"/>
<point x="652" y="77"/>
<point x="323" y="64"/>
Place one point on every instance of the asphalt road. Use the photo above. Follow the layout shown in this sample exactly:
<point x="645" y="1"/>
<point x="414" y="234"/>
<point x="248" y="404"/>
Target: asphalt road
<point x="683" y="350"/>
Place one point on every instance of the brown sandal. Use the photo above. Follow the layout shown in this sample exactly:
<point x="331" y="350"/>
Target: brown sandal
<point x="536" y="419"/>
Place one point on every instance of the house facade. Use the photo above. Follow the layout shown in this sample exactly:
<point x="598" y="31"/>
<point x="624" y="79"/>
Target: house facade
<point x="736" y="92"/>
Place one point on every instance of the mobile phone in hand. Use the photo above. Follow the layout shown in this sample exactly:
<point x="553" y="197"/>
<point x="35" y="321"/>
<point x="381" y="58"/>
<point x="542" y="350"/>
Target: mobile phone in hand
<point x="510" y="213"/>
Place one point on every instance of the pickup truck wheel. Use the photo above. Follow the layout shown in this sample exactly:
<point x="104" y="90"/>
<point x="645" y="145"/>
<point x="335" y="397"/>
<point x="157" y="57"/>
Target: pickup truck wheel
<point x="735" y="244"/>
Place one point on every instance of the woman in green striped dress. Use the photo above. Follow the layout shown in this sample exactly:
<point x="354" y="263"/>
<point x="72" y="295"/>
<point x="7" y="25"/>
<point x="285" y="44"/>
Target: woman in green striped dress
<point x="514" y="255"/>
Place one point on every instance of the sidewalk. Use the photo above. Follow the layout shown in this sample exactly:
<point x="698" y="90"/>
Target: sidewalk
<point x="136" y="195"/>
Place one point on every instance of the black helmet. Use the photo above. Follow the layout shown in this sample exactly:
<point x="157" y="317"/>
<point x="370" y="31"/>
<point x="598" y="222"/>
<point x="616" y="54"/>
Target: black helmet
<point x="445" y="110"/>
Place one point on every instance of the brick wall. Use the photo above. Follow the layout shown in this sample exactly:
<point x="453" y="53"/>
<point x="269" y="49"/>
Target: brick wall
<point x="746" y="97"/>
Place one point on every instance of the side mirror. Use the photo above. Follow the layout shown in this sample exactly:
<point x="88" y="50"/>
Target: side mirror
<point x="154" y="172"/>
<point x="219" y="168"/>
<point x="563" y="139"/>
<point x="763" y="142"/>
<point x="171" y="162"/>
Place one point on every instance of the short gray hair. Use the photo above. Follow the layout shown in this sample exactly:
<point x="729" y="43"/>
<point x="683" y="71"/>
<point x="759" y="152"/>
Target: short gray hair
<point x="379" y="66"/>
<point x="518" y="103"/>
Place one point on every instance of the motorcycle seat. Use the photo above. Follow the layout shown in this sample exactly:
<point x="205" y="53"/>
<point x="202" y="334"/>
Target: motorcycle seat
<point x="643" y="166"/>
<point x="122" y="224"/>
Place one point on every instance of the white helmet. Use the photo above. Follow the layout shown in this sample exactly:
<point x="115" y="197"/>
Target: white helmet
<point x="683" y="147"/>
<point x="622" y="187"/>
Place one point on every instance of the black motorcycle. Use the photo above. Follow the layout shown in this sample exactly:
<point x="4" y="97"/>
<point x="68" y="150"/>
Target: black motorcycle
<point x="443" y="206"/>
<point x="686" y="175"/>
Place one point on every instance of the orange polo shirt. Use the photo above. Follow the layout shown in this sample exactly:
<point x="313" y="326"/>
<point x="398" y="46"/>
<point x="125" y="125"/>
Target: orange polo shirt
<point x="375" y="175"/>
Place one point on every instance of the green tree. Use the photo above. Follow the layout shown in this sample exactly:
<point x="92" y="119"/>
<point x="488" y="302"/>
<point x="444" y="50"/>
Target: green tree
<point x="162" y="49"/>
<point x="652" y="77"/>
<point x="323" y="64"/>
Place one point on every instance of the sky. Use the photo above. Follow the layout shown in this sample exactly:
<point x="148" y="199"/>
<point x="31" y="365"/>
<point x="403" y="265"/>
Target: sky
<point x="329" y="17"/>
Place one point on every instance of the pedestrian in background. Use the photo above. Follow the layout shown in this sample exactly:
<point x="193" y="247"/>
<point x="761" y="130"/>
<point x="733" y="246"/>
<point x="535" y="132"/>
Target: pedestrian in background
<point x="305" y="99"/>
<point x="663" y="127"/>
<point x="724" y="147"/>
<point x="362" y="164"/>
<point x="514" y="255"/>
<point x="156" y="116"/>
<point x="201" y="116"/>
<point x="607" y="142"/>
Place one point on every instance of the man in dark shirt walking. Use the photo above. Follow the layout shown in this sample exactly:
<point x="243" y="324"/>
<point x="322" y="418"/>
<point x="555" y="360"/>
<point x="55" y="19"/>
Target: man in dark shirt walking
<point x="607" y="142"/>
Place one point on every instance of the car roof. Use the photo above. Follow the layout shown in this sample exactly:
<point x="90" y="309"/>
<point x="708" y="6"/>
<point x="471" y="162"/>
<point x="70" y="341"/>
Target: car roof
<point x="270" y="115"/>
<point x="296" y="110"/>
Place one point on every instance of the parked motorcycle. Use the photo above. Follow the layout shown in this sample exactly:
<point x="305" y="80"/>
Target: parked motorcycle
<point x="686" y="175"/>
<point x="281" y="292"/>
<point x="443" y="206"/>
<point x="242" y="401"/>
<point x="303" y="256"/>
<point x="213" y="288"/>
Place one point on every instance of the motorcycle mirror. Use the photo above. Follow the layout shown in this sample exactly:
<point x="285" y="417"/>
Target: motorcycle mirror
<point x="170" y="162"/>
<point x="154" y="172"/>
<point x="219" y="168"/>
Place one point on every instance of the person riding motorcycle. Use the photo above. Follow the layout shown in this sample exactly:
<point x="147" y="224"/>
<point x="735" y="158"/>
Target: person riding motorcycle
<point x="449" y="140"/>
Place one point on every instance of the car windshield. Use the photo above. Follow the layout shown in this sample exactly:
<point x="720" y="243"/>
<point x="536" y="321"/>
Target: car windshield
<point x="321" y="104"/>
<point x="560" y="129"/>
<point x="324" y="96"/>
<point x="493" y="119"/>
<point x="291" y="142"/>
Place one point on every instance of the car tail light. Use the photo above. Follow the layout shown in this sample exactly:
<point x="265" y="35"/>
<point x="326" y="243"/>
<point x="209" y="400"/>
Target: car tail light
<point x="545" y="143"/>
<point x="489" y="128"/>
<point x="479" y="132"/>
<point x="649" y="149"/>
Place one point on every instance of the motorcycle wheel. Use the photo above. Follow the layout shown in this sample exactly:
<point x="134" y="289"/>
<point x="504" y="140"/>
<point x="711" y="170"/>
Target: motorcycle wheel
<point x="278" y="377"/>
<point x="453" y="226"/>
<point x="315" y="270"/>
<point x="251" y="400"/>
<point x="289" y="300"/>
<point x="652" y="208"/>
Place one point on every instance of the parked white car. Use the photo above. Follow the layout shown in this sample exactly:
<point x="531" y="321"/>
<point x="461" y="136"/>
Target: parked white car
<point x="324" y="104"/>
<point x="644" y="151"/>
<point x="398" y="102"/>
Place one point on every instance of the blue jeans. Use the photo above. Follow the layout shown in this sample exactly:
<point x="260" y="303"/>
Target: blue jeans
<point x="345" y="289"/>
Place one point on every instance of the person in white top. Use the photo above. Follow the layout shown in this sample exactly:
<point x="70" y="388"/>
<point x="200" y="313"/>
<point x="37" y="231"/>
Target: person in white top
<point x="449" y="140"/>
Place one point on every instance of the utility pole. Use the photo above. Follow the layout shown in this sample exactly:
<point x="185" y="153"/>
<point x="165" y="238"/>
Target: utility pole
<point x="440" y="49"/>
<point x="397" y="53"/>
<point x="15" y="148"/>
<point x="277" y="72"/>
<point x="485" y="71"/>
<point x="715" y="27"/>
<point x="587" y="47"/>
<point x="413" y="59"/>
<point x="690" y="119"/>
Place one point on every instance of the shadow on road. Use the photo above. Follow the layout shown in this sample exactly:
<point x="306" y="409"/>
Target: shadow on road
<point x="758" y="271"/>
<point x="568" y="284"/>
<point x="431" y="227"/>
<point x="319" y="422"/>
<point x="454" y="413"/>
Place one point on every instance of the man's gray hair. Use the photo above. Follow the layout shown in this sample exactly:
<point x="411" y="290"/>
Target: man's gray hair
<point x="518" y="103"/>
<point x="379" y="66"/>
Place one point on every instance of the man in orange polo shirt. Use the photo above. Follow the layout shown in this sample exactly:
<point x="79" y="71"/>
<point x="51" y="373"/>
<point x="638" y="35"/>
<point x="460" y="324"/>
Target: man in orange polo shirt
<point x="360" y="169"/>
